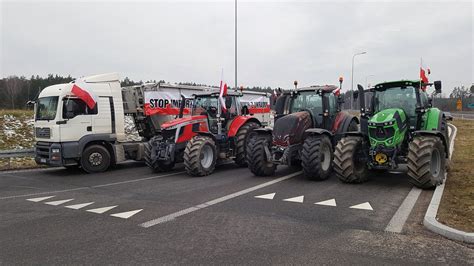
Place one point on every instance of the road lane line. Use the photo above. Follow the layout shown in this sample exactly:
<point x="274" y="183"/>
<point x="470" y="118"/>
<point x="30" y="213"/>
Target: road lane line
<point x="266" y="196"/>
<point x="91" y="187"/>
<point x="40" y="199"/>
<point x="57" y="202"/>
<point x="102" y="210"/>
<point x="298" y="199"/>
<point x="170" y="217"/>
<point x="126" y="215"/>
<point x="362" y="206"/>
<point x="400" y="217"/>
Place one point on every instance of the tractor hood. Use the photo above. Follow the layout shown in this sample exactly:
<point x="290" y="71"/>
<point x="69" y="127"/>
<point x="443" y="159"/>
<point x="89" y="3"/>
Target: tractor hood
<point x="290" y="129"/>
<point x="182" y="121"/>
<point x="386" y="115"/>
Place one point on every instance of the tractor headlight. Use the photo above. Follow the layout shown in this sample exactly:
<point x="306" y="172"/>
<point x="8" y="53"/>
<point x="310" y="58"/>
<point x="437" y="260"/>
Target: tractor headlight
<point x="391" y="122"/>
<point x="54" y="150"/>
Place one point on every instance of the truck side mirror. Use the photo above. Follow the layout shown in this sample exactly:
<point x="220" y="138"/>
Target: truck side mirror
<point x="69" y="111"/>
<point x="437" y="85"/>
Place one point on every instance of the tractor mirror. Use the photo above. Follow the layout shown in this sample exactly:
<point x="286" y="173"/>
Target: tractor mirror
<point x="437" y="85"/>
<point x="355" y="95"/>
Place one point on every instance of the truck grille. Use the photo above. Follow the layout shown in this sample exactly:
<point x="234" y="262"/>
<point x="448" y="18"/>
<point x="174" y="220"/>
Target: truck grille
<point x="43" y="132"/>
<point x="380" y="132"/>
<point x="42" y="149"/>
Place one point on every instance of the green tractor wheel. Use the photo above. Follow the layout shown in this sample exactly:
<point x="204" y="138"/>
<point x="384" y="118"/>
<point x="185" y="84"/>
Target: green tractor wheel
<point x="350" y="160"/>
<point x="426" y="161"/>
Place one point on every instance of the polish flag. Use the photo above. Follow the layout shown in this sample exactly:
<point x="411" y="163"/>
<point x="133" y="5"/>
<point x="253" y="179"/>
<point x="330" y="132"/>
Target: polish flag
<point x="79" y="88"/>
<point x="337" y="91"/>
<point x="222" y="94"/>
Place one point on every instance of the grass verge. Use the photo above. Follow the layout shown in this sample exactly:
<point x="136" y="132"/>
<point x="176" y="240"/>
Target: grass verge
<point x="457" y="205"/>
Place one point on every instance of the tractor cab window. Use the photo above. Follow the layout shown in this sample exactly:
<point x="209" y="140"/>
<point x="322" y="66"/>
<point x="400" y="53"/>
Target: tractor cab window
<point x="403" y="98"/>
<point x="205" y="105"/>
<point x="332" y="103"/>
<point x="424" y="99"/>
<point x="309" y="101"/>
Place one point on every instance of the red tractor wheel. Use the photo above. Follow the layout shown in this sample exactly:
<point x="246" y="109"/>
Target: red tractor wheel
<point x="200" y="156"/>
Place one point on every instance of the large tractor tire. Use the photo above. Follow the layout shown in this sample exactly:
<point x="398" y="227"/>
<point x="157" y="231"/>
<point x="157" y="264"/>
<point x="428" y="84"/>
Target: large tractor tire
<point x="241" y="142"/>
<point x="317" y="156"/>
<point x="156" y="165"/>
<point x="200" y="156"/>
<point x="350" y="163"/>
<point x="256" y="156"/>
<point x="95" y="159"/>
<point x="426" y="161"/>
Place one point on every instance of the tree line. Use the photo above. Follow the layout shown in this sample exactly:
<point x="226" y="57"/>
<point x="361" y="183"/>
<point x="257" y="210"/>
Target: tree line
<point x="16" y="91"/>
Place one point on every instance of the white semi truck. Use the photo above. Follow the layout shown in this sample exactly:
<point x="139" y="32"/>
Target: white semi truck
<point x="68" y="133"/>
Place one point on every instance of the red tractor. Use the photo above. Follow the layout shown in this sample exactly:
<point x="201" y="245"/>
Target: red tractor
<point x="308" y="124"/>
<point x="211" y="134"/>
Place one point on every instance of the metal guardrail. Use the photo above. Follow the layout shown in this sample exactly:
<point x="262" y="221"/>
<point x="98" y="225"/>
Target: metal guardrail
<point x="17" y="153"/>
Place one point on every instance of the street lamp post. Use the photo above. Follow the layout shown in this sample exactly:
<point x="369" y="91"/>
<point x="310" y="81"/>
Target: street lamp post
<point x="235" y="59"/>
<point x="352" y="77"/>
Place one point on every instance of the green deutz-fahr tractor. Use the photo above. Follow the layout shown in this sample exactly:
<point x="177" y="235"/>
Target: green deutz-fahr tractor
<point x="399" y="126"/>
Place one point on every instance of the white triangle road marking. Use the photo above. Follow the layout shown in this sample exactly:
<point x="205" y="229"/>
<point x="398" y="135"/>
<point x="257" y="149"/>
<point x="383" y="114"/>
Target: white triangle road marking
<point x="126" y="215"/>
<point x="362" y="206"/>
<point x="295" y="199"/>
<point x="40" y="199"/>
<point x="266" y="196"/>
<point x="102" y="210"/>
<point x="331" y="202"/>
<point x="58" y="202"/>
<point x="79" y="206"/>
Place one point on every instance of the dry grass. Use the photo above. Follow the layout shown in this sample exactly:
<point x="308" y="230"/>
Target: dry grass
<point x="457" y="205"/>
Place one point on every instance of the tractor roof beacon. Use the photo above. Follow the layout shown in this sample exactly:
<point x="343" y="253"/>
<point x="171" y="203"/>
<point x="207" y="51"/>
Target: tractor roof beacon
<point x="398" y="126"/>
<point x="308" y="124"/>
<point x="211" y="134"/>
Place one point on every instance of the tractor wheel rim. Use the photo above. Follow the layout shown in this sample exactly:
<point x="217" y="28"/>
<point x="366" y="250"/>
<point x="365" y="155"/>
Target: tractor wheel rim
<point x="325" y="158"/>
<point x="207" y="156"/>
<point x="435" y="163"/>
<point x="95" y="159"/>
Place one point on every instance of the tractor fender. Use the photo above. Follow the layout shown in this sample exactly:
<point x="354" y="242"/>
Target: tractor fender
<point x="434" y="133"/>
<point x="319" y="131"/>
<point x="342" y="122"/>
<point x="238" y="122"/>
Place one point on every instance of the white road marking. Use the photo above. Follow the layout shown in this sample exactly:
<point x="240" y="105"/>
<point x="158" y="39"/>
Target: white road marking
<point x="40" y="199"/>
<point x="266" y="196"/>
<point x="101" y="210"/>
<point x="362" y="206"/>
<point x="400" y="217"/>
<point x="79" y="206"/>
<point x="82" y="188"/>
<point x="126" y="215"/>
<point x="58" y="202"/>
<point x="298" y="199"/>
<point x="331" y="202"/>
<point x="173" y="216"/>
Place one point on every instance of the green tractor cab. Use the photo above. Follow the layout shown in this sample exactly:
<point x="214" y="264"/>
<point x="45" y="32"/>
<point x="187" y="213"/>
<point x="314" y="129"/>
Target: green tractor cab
<point x="398" y="126"/>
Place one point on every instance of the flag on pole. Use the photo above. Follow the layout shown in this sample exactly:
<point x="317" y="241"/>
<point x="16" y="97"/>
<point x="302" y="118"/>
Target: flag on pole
<point x="79" y="88"/>
<point x="222" y="94"/>
<point x="423" y="75"/>
<point x="337" y="91"/>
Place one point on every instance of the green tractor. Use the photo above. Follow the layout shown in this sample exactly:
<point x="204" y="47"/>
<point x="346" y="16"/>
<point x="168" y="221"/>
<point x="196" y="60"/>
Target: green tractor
<point x="399" y="126"/>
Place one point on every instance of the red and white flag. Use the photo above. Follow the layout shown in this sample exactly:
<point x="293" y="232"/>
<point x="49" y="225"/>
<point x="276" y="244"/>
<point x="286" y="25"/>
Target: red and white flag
<point x="423" y="75"/>
<point x="222" y="94"/>
<point x="79" y="88"/>
<point x="337" y="91"/>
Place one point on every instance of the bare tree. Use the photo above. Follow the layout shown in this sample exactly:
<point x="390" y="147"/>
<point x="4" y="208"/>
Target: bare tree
<point x="12" y="88"/>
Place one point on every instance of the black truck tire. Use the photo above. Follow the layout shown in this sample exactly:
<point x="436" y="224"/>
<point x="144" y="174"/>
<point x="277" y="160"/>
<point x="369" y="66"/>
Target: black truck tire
<point x="349" y="164"/>
<point x="200" y="156"/>
<point x="95" y="159"/>
<point x="156" y="165"/>
<point x="426" y="161"/>
<point x="316" y="157"/>
<point x="256" y="156"/>
<point x="241" y="142"/>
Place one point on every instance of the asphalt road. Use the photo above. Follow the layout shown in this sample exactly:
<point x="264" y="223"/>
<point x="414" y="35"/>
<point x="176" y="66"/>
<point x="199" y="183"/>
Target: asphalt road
<point x="219" y="219"/>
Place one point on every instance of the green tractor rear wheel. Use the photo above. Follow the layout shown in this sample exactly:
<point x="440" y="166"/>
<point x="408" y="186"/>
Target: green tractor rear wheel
<point x="350" y="163"/>
<point x="426" y="161"/>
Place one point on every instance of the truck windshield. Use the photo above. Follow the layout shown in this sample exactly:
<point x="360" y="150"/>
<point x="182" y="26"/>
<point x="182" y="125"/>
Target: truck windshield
<point x="206" y="104"/>
<point x="46" y="108"/>
<point x="397" y="97"/>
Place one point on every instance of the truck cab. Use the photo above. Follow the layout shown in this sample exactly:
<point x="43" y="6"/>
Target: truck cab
<point x="69" y="133"/>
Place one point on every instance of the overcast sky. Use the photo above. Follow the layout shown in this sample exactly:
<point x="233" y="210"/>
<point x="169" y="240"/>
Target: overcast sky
<point x="278" y="42"/>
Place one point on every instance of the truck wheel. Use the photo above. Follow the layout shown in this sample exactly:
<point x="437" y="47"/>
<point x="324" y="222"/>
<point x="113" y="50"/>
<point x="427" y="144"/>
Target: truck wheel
<point x="200" y="156"/>
<point x="317" y="157"/>
<point x="256" y="156"/>
<point x="95" y="159"/>
<point x="350" y="160"/>
<point x="156" y="165"/>
<point x="426" y="161"/>
<point x="241" y="142"/>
